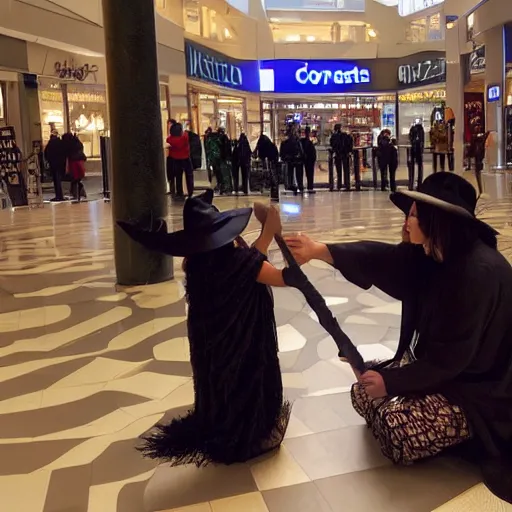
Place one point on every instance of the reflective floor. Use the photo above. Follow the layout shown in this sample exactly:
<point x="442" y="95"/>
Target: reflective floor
<point x="86" y="367"/>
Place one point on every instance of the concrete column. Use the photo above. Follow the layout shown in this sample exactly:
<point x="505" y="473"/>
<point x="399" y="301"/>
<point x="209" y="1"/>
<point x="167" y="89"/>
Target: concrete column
<point x="495" y="75"/>
<point x="138" y="175"/>
<point x="455" y="92"/>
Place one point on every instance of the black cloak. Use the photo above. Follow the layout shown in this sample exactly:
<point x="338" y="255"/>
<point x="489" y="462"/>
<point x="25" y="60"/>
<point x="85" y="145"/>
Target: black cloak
<point x="239" y="412"/>
<point x="460" y="315"/>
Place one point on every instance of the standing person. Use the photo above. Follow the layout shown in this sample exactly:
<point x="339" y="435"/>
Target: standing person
<point x="226" y="154"/>
<point x="384" y="156"/>
<point x="309" y="152"/>
<point x="478" y="146"/>
<point x="55" y="155"/>
<point x="196" y="150"/>
<point x="342" y="145"/>
<point x="171" y="177"/>
<point x="417" y="142"/>
<point x="241" y="162"/>
<point x="179" y="151"/>
<point x="207" y="153"/>
<point x="450" y="382"/>
<point x="239" y="411"/>
<point x="292" y="155"/>
<point x="268" y="153"/>
<point x="75" y="164"/>
<point x="393" y="164"/>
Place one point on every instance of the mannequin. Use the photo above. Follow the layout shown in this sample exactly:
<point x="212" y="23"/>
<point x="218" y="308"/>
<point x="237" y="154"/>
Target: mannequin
<point x="417" y="141"/>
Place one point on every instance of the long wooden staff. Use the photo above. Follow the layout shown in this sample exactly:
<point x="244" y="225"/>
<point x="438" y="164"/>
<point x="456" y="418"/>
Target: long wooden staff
<point x="347" y="350"/>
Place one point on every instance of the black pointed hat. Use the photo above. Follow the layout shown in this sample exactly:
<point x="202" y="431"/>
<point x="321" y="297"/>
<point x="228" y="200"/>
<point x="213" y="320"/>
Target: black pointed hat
<point x="204" y="229"/>
<point x="447" y="191"/>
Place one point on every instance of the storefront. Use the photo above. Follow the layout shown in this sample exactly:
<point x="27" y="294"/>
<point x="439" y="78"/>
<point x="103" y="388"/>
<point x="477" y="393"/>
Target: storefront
<point x="73" y="96"/>
<point x="359" y="95"/>
<point x="508" y="95"/>
<point x="422" y="92"/>
<point x="222" y="92"/>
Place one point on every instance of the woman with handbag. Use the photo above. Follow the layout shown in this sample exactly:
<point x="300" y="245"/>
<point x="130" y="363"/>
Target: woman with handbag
<point x="75" y="164"/>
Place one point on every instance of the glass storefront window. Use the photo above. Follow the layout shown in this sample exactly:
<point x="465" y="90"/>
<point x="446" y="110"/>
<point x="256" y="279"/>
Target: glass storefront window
<point x="164" y="110"/>
<point x="428" y="28"/>
<point x="88" y="115"/>
<point x="321" y="32"/>
<point x="51" y="105"/>
<point x="418" y="105"/>
<point x="205" y="22"/>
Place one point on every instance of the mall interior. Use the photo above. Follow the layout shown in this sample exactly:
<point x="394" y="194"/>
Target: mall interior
<point x="94" y="347"/>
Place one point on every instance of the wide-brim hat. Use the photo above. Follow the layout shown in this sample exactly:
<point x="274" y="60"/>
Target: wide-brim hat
<point x="205" y="229"/>
<point x="447" y="191"/>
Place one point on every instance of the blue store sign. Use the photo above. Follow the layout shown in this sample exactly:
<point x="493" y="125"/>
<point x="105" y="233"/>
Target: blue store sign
<point x="314" y="76"/>
<point x="209" y="66"/>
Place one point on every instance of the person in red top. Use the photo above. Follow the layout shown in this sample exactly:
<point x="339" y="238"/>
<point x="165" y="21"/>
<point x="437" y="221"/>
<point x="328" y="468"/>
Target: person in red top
<point x="179" y="154"/>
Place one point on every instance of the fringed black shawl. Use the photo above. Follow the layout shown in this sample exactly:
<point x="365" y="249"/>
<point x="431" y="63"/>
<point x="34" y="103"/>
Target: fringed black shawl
<point x="239" y="411"/>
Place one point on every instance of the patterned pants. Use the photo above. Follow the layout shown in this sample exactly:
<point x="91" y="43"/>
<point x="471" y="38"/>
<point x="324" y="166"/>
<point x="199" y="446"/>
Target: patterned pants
<point x="409" y="429"/>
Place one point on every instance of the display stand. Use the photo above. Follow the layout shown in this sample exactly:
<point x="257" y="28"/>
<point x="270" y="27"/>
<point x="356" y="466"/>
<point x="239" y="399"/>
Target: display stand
<point x="10" y="167"/>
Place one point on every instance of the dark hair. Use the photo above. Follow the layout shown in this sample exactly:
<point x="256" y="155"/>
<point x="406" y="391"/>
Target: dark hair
<point x="307" y="131"/>
<point x="176" y="130"/>
<point x="450" y="236"/>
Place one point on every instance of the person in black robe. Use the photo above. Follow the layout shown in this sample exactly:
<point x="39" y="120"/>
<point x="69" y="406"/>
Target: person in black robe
<point x="450" y="382"/>
<point x="239" y="411"/>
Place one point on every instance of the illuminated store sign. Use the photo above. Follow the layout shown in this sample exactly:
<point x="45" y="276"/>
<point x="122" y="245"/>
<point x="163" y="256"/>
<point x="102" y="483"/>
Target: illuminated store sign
<point x="493" y="93"/>
<point x="477" y="61"/>
<point x="408" y="7"/>
<point x="209" y="66"/>
<point x="315" y="76"/>
<point x="422" y="73"/>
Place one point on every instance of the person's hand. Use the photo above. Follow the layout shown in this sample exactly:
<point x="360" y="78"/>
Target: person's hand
<point x="373" y="384"/>
<point x="273" y="221"/>
<point x="301" y="246"/>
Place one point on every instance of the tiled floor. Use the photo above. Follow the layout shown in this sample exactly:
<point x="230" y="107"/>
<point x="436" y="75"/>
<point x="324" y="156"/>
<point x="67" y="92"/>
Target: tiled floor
<point x="86" y="367"/>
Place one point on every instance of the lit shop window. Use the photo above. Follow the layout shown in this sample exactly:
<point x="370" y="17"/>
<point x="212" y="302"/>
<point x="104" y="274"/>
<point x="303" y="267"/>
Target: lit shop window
<point x="316" y="5"/>
<point x="88" y="115"/>
<point x="205" y="22"/>
<point x="51" y="105"/>
<point x="321" y="32"/>
<point x="424" y="29"/>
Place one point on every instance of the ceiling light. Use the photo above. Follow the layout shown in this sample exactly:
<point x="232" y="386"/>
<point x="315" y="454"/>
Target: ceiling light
<point x="310" y="39"/>
<point x="372" y="33"/>
<point x="293" y="38"/>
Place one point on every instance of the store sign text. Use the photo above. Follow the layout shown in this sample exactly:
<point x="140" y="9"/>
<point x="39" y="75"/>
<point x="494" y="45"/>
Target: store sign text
<point x="325" y="76"/>
<point x="477" y="61"/>
<point x="66" y="71"/>
<point x="207" y="67"/>
<point x="423" y="72"/>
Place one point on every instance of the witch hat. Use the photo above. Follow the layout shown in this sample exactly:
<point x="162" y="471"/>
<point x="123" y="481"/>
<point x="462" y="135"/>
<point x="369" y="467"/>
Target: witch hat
<point x="446" y="191"/>
<point x="204" y="229"/>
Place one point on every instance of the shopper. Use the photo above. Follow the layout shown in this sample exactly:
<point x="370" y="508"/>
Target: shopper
<point x="179" y="152"/>
<point x="196" y="149"/>
<point x="241" y="163"/>
<point x="393" y="164"/>
<point x="292" y="155"/>
<point x="309" y="152"/>
<point x="75" y="164"/>
<point x="239" y="411"/>
<point x="478" y="147"/>
<point x="342" y="145"/>
<point x="384" y="156"/>
<point x="55" y="155"/>
<point x="450" y="382"/>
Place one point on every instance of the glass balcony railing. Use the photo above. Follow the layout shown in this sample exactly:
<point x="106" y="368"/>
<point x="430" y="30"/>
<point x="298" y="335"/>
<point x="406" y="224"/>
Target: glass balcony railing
<point x="316" y="5"/>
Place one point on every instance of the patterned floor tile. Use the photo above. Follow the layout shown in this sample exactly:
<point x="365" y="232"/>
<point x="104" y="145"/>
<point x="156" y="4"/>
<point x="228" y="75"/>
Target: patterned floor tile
<point x="252" y="502"/>
<point x="297" y="498"/>
<point x="477" y="499"/>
